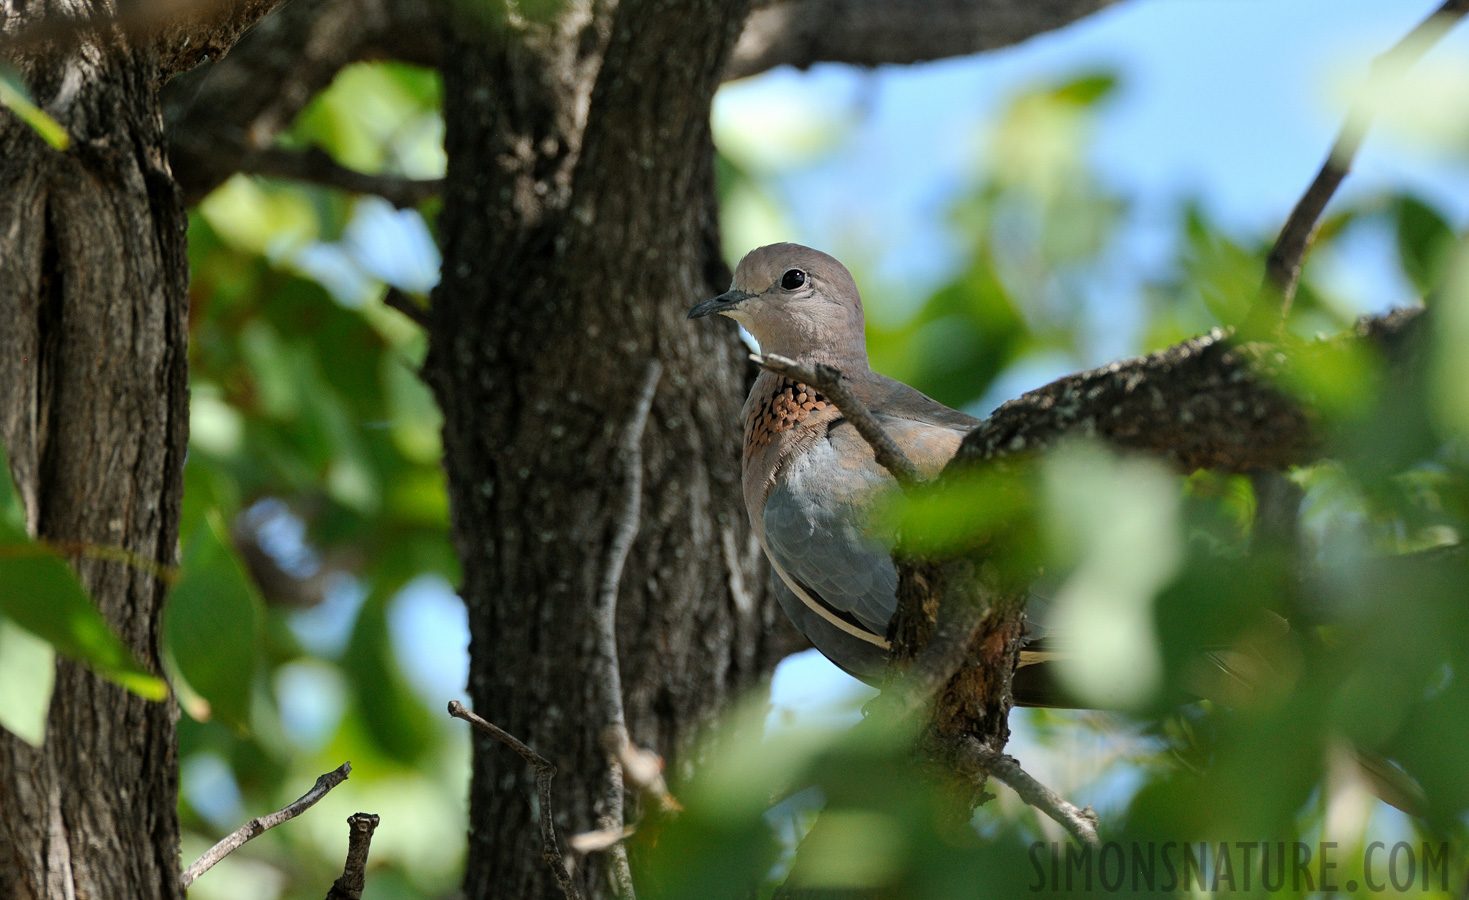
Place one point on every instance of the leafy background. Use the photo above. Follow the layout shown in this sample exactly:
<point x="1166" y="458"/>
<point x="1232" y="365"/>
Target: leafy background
<point x="1011" y="217"/>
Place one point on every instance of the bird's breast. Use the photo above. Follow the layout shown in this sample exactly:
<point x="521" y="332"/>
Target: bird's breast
<point x="785" y="407"/>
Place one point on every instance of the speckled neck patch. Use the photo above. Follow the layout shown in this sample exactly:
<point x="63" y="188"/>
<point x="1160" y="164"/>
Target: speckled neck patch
<point x="787" y="406"/>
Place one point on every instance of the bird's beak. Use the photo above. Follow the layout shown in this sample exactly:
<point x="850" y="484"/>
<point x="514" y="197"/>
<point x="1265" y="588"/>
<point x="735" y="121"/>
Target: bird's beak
<point x="725" y="301"/>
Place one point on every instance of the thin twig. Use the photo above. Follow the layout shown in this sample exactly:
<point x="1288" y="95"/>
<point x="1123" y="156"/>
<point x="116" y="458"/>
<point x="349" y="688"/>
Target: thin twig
<point x="317" y="166"/>
<point x="545" y="771"/>
<point x="354" y="874"/>
<point x="1283" y="266"/>
<point x="828" y="380"/>
<point x="607" y="662"/>
<point x="396" y="299"/>
<point x="1081" y="823"/>
<point x="258" y="826"/>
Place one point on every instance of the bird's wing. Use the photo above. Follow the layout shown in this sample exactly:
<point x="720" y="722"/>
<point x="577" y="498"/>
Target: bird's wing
<point x="815" y="521"/>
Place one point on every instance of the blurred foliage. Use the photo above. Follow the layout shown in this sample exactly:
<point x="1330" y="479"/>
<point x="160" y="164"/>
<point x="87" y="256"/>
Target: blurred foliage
<point x="1256" y="688"/>
<point x="315" y="515"/>
<point x="315" y="526"/>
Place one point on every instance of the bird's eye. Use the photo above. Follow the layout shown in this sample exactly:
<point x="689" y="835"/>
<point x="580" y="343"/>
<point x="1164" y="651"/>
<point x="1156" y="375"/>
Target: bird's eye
<point x="792" y="279"/>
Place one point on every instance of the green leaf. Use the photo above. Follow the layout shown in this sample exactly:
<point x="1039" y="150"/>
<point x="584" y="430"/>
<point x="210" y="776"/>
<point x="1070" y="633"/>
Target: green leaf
<point x="41" y="593"/>
<point x="1425" y="243"/>
<point x="212" y="623"/>
<point x="12" y="511"/>
<point x="14" y="96"/>
<point x="27" y="675"/>
<point x="1088" y="89"/>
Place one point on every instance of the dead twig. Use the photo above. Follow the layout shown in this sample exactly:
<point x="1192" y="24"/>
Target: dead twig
<point x="354" y="874"/>
<point x="1081" y="823"/>
<point x="1283" y="266"/>
<point x="261" y="824"/>
<point x="607" y="664"/>
<point x="545" y="771"/>
<point x="828" y="380"/>
<point x="396" y="299"/>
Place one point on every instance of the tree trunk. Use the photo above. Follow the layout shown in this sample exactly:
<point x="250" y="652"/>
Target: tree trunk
<point x="579" y="226"/>
<point x="93" y="313"/>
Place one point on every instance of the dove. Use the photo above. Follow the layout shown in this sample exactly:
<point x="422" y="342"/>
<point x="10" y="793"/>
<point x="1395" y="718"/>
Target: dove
<point x="809" y="478"/>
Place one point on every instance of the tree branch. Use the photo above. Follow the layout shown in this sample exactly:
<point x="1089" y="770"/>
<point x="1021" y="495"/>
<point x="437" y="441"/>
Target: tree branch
<point x="606" y="661"/>
<point x="183" y="33"/>
<point x="545" y="771"/>
<point x="802" y="33"/>
<point x="828" y="380"/>
<point x="258" y="826"/>
<point x="1082" y="823"/>
<point x="1283" y="266"/>
<point x="317" y="166"/>
<point x="230" y="108"/>
<point x="1198" y="404"/>
<point x="420" y="315"/>
<point x="1203" y="404"/>
<point x="354" y="874"/>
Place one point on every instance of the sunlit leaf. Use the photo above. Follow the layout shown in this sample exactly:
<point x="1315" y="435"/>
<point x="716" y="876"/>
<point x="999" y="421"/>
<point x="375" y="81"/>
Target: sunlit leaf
<point x="1425" y="243"/>
<point x="212" y="622"/>
<point x="41" y="593"/>
<point x="1114" y="523"/>
<point x="990" y="507"/>
<point x="27" y="675"/>
<point x="16" y="98"/>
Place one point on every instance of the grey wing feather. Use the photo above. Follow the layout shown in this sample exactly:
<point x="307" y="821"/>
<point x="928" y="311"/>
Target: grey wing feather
<point x="822" y="545"/>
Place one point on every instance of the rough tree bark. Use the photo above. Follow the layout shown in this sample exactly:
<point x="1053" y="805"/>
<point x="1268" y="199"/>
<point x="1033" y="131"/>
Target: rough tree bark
<point x="579" y="226"/>
<point x="94" y="414"/>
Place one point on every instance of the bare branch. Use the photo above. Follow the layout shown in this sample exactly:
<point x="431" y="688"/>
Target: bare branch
<point x="231" y="107"/>
<point x="354" y="874"/>
<point x="606" y="661"/>
<point x="1199" y="404"/>
<point x="828" y="380"/>
<point x="1081" y="823"/>
<point x="420" y="315"/>
<point x="545" y="771"/>
<point x="1205" y="403"/>
<point x="1283" y="266"/>
<point x="317" y="166"/>
<point x="876" y="32"/>
<point x="258" y="826"/>
<point x="183" y="33"/>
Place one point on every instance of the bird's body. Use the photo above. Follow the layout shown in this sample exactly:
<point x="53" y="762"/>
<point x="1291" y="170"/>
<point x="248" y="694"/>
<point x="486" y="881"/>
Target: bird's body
<point x="810" y="480"/>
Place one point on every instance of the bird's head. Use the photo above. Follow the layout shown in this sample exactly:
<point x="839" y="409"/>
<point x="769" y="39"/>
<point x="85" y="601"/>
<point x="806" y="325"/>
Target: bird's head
<point x="797" y="302"/>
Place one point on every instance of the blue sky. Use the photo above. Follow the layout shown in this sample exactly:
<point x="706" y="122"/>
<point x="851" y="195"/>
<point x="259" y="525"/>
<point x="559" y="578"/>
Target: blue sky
<point x="1231" y="101"/>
